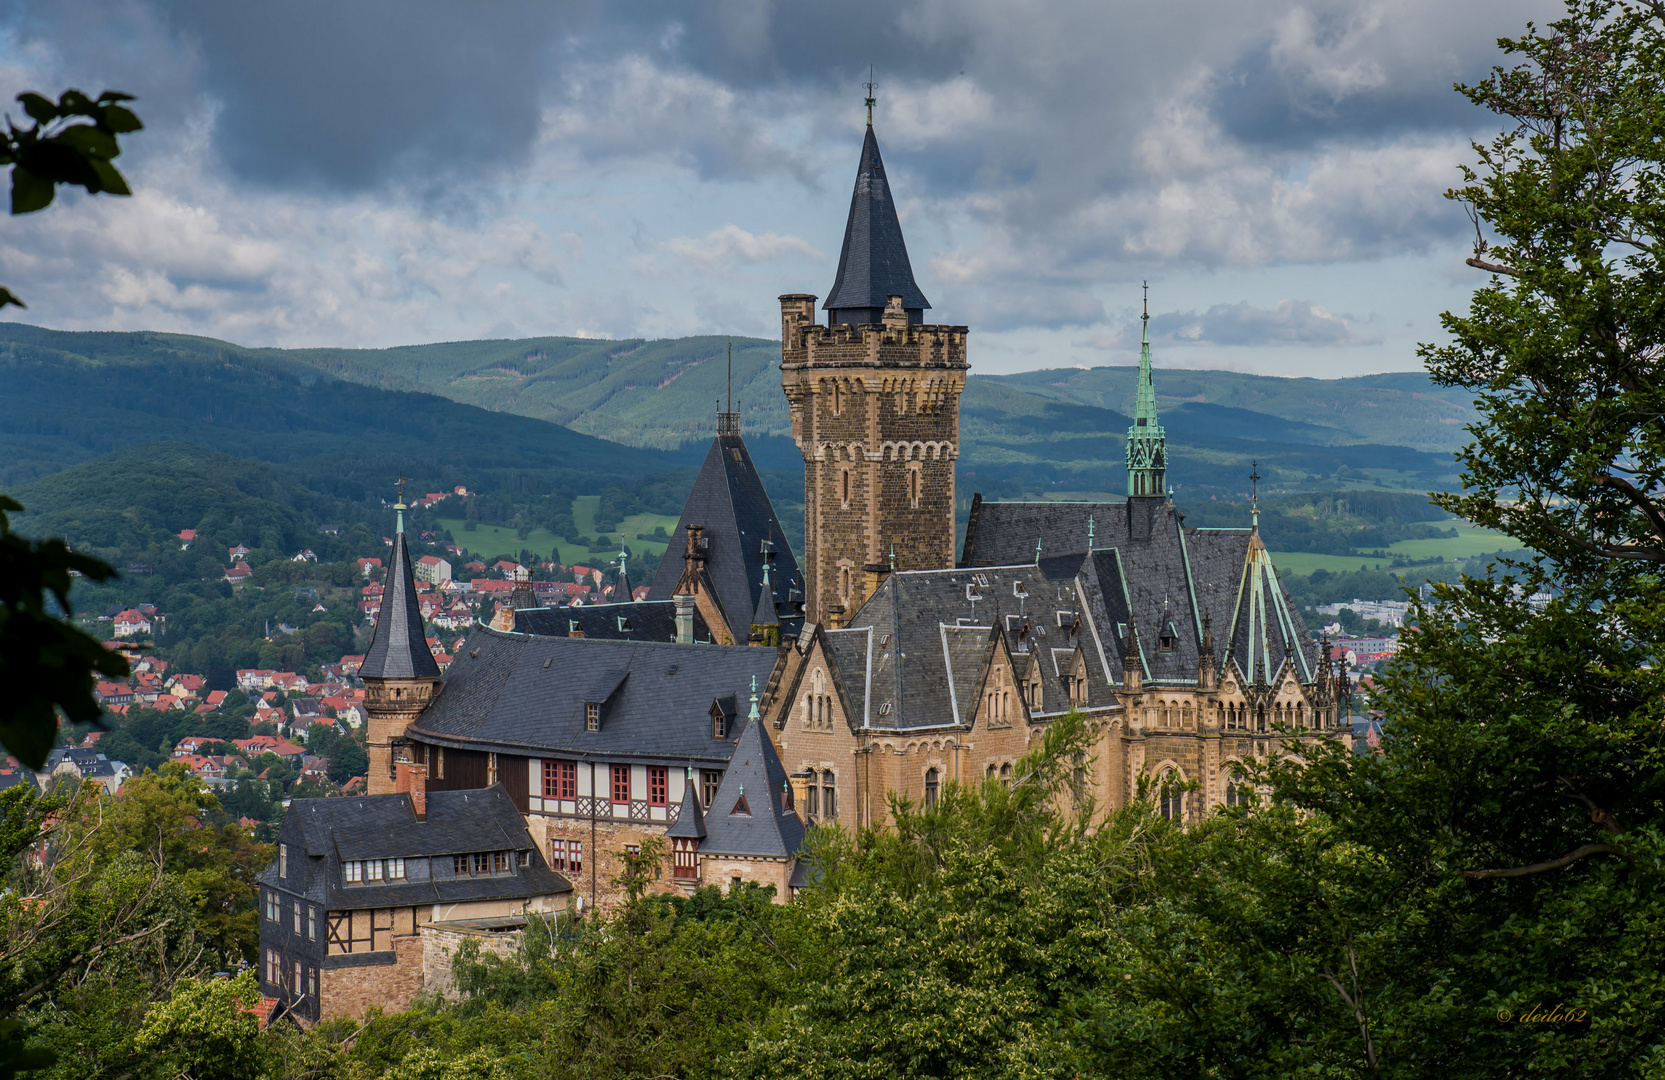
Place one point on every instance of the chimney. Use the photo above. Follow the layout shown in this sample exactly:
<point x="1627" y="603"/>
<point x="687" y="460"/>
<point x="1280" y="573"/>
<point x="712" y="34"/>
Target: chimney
<point x="684" y="603"/>
<point x="412" y="779"/>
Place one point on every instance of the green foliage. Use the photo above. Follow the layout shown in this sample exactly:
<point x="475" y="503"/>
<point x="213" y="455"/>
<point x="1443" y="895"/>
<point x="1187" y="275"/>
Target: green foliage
<point x="206" y="1029"/>
<point x="50" y="666"/>
<point x="170" y="815"/>
<point x="55" y="151"/>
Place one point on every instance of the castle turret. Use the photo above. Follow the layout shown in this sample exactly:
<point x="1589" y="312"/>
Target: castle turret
<point x="1147" y="448"/>
<point x="399" y="672"/>
<point x="875" y="404"/>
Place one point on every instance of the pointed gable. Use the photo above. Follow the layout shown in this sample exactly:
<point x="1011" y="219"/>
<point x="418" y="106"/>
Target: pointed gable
<point x="874" y="263"/>
<point x="729" y="501"/>
<point x="399" y="649"/>
<point x="749" y="814"/>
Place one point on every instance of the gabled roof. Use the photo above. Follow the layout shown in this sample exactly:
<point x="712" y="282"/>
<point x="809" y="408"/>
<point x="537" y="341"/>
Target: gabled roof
<point x="323" y="833"/>
<point x="521" y="693"/>
<point x="750" y="813"/>
<point x="1168" y="577"/>
<point x="873" y="265"/>
<point x="399" y="649"/>
<point x="914" y="656"/>
<point x="729" y="500"/>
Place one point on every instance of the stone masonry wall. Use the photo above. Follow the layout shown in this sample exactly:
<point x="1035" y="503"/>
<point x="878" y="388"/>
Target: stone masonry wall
<point x="348" y="991"/>
<point x="439" y="948"/>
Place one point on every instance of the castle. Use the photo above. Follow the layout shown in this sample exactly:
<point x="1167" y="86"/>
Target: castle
<point x="752" y="696"/>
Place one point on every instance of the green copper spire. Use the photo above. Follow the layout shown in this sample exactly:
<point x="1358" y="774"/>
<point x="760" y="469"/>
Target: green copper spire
<point x="1147" y="452"/>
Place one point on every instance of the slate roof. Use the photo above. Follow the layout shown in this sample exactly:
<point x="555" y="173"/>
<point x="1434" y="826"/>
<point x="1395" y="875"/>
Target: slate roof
<point x="525" y="693"/>
<point x="323" y="833"/>
<point x="728" y="499"/>
<point x="690" y="820"/>
<point x="639" y="620"/>
<point x="874" y="263"/>
<point x="399" y="649"/>
<point x="764" y="824"/>
<point x="915" y="654"/>
<point x="1170" y="577"/>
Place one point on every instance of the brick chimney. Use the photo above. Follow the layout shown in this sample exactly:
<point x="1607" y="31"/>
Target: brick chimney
<point x="412" y="779"/>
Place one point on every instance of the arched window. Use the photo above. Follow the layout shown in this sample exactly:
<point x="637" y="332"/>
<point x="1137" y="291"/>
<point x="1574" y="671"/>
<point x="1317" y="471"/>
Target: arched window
<point x="990" y="772"/>
<point x="932" y="783"/>
<point x="1171" y="804"/>
<point x="844" y="487"/>
<point x="1006" y="774"/>
<point x="913" y="488"/>
<point x="844" y="583"/>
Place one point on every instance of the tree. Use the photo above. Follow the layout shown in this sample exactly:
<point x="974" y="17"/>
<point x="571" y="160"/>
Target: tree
<point x="58" y="151"/>
<point x="207" y="1029"/>
<point x="53" y="665"/>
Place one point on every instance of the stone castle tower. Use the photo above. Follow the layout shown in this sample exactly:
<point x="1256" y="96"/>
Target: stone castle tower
<point x="875" y="404"/>
<point x="399" y="672"/>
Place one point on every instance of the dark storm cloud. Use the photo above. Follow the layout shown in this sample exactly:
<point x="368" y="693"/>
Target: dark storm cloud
<point x="330" y="94"/>
<point x="352" y="94"/>
<point x="1261" y="103"/>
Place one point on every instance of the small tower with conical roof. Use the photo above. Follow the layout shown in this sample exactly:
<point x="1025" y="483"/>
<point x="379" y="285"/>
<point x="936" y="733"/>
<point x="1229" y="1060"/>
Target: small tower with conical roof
<point x="1147" y="448"/>
<point x="399" y="672"/>
<point x="875" y="405"/>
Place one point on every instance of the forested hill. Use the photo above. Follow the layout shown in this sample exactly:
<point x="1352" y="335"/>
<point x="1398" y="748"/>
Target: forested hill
<point x="72" y="396"/>
<point x="1038" y="433"/>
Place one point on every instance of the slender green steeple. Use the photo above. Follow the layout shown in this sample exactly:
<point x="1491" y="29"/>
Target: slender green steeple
<point x="1147" y="448"/>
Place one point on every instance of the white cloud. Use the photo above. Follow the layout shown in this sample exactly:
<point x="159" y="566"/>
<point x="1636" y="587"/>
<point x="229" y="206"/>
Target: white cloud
<point x="731" y="244"/>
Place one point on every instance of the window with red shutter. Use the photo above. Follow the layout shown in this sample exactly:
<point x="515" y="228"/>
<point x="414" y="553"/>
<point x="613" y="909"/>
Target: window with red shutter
<point x="621" y="783"/>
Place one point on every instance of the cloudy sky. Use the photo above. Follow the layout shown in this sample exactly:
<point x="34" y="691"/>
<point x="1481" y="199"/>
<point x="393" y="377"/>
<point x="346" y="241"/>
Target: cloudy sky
<point x="380" y="172"/>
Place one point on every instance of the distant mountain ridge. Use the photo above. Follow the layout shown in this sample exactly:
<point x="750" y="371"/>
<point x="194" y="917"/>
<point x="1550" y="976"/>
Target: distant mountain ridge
<point x="1056" y="431"/>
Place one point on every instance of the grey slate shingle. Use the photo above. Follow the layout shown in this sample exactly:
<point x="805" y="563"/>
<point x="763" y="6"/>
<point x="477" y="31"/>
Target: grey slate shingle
<point x="768" y="828"/>
<point x="873" y="264"/>
<point x="399" y="649"/>
<point x="728" y="499"/>
<point x="526" y="694"/>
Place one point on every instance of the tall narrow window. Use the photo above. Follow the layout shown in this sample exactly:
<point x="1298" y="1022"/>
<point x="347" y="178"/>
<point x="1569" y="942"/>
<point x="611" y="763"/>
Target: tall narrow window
<point x="311" y="923"/>
<point x="1171" y="798"/>
<point x="812" y="804"/>
<point x="297" y="916"/>
<point x="932" y="783"/>
<point x="592" y="716"/>
<point x="575" y="856"/>
<point x="913" y="488"/>
<point x="355" y="872"/>
<point x="1006" y="774"/>
<point x="482" y="862"/>
<point x="621" y="784"/>
<point x="283" y="860"/>
<point x="459" y="865"/>
<point x="710" y="779"/>
<point x="656" y="785"/>
<point x="557" y="854"/>
<point x="844" y="487"/>
<point x="829" y="796"/>
<point x="300" y="981"/>
<point x="395" y="869"/>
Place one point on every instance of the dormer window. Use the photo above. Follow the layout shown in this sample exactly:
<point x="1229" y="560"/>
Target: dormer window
<point x="592" y="716"/>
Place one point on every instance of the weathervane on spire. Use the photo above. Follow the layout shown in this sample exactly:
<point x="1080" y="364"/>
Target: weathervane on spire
<point x="870" y="86"/>
<point x="1146" y="315"/>
<point x="1254" y="495"/>
<point x="399" y="507"/>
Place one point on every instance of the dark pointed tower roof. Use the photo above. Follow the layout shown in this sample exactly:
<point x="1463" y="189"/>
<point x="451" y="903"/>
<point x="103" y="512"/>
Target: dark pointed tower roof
<point x="399" y="649"/>
<point x="874" y="263"/>
<point x="748" y="815"/>
<point x="741" y="531"/>
<point x="622" y="587"/>
<point x="690" y="821"/>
